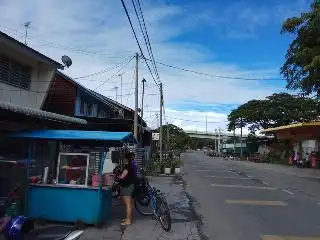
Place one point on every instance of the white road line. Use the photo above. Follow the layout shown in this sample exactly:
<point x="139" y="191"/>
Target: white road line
<point x="238" y="178"/>
<point x="242" y="186"/>
<point x="202" y="170"/>
<point x="286" y="191"/>
<point x="265" y="183"/>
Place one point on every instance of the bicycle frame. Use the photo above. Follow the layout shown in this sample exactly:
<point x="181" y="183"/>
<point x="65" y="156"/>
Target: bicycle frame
<point x="153" y="196"/>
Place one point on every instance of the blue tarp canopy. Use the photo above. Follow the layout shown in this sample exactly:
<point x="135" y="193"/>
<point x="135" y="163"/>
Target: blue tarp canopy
<point x="125" y="137"/>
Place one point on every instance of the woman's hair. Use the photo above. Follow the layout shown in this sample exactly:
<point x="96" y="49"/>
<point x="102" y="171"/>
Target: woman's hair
<point x="128" y="156"/>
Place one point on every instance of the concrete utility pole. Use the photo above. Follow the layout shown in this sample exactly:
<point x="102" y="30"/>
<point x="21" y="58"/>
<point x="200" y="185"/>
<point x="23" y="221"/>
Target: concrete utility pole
<point x="120" y="75"/>
<point x="206" y="123"/>
<point x="143" y="82"/>
<point x="241" y="151"/>
<point x="219" y="141"/>
<point x="215" y="141"/>
<point x="26" y="25"/>
<point x="135" y="129"/>
<point x="116" y="88"/>
<point x="160" y="130"/>
<point x="168" y="137"/>
<point x="157" y="116"/>
<point x="234" y="141"/>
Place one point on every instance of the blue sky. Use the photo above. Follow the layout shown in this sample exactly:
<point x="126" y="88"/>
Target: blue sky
<point x="227" y="38"/>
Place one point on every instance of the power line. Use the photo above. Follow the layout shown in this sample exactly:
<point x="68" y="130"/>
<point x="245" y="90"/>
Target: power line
<point x="135" y="36"/>
<point x="115" y="74"/>
<point x="126" y="61"/>
<point x="56" y="45"/>
<point x="213" y="75"/>
<point x="145" y="34"/>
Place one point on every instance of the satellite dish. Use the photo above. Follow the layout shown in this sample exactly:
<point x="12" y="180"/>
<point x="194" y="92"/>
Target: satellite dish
<point x="66" y="61"/>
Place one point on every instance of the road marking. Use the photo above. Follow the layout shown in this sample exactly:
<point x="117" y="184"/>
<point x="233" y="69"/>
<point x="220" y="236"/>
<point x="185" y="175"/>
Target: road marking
<point x="238" y="178"/>
<point x="242" y="186"/>
<point x="286" y="191"/>
<point x="202" y="170"/>
<point x="256" y="202"/>
<point x="265" y="183"/>
<point x="271" y="237"/>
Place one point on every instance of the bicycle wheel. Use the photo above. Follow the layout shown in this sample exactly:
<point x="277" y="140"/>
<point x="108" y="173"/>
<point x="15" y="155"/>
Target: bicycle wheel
<point x="163" y="213"/>
<point x="143" y="209"/>
<point x="142" y="196"/>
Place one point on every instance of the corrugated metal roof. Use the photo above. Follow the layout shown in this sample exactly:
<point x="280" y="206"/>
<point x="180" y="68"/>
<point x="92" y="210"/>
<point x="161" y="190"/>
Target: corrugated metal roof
<point x="76" y="135"/>
<point x="40" y="114"/>
<point x="290" y="126"/>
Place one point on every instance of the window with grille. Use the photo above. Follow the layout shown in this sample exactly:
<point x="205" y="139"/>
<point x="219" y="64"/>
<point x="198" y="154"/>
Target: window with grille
<point x="14" y="73"/>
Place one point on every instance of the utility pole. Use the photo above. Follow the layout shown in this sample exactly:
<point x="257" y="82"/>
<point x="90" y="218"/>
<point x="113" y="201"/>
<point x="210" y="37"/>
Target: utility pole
<point x="219" y="141"/>
<point x="215" y="141"/>
<point x="135" y="129"/>
<point x="26" y="25"/>
<point x="206" y="123"/>
<point x="157" y="116"/>
<point x="116" y="88"/>
<point x="168" y="137"/>
<point x="120" y="75"/>
<point x="160" y="130"/>
<point x="241" y="151"/>
<point x="143" y="82"/>
<point x="234" y="141"/>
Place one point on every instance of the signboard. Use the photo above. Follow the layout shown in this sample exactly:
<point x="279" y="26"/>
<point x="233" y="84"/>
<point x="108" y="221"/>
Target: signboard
<point x="155" y="136"/>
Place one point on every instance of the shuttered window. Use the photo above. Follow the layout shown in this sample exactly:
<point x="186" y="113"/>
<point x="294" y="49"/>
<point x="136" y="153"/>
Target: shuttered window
<point x="14" y="73"/>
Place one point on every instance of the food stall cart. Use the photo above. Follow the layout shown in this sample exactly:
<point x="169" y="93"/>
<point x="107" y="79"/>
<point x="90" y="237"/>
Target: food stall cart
<point x="73" y="194"/>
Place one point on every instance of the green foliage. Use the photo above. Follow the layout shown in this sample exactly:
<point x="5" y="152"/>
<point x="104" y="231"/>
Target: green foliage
<point x="178" y="139"/>
<point x="253" y="143"/>
<point x="302" y="66"/>
<point x="276" y="110"/>
<point x="156" y="166"/>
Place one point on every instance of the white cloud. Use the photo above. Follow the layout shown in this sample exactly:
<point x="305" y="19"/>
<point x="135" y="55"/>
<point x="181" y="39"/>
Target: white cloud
<point x="63" y="27"/>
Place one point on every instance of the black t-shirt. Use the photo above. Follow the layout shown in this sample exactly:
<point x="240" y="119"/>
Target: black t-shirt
<point x="129" y="179"/>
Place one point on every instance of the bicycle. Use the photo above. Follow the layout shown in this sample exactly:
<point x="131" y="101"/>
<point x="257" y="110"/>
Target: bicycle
<point x="143" y="195"/>
<point x="159" y="206"/>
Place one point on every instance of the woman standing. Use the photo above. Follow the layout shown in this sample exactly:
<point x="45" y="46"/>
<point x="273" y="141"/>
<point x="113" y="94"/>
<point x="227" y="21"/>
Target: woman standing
<point x="127" y="179"/>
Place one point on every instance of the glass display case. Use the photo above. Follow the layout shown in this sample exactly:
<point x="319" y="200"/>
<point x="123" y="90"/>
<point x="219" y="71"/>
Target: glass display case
<point x="73" y="168"/>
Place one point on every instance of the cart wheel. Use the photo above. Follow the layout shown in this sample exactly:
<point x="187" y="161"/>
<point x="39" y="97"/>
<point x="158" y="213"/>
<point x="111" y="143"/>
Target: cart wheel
<point x="41" y="221"/>
<point x="80" y="225"/>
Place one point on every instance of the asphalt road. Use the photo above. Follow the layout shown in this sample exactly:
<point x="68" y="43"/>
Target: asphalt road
<point x="241" y="201"/>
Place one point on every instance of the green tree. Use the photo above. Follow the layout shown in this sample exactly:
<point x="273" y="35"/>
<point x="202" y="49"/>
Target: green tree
<point x="302" y="65"/>
<point x="178" y="138"/>
<point x="276" y="110"/>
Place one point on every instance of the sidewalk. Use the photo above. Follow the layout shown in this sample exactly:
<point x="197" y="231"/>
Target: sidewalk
<point x="184" y="222"/>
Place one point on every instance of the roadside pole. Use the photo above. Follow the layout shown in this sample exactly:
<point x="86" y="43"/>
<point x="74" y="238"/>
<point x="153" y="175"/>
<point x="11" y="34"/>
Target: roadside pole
<point x="160" y="130"/>
<point x="241" y="151"/>
<point x="135" y="129"/>
<point x="142" y="98"/>
<point x="234" y="141"/>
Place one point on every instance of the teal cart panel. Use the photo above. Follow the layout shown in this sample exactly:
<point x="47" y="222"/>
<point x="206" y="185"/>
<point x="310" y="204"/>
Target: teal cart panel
<point x="69" y="203"/>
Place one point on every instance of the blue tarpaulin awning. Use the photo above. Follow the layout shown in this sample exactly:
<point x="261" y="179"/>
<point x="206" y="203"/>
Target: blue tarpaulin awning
<point x="125" y="137"/>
